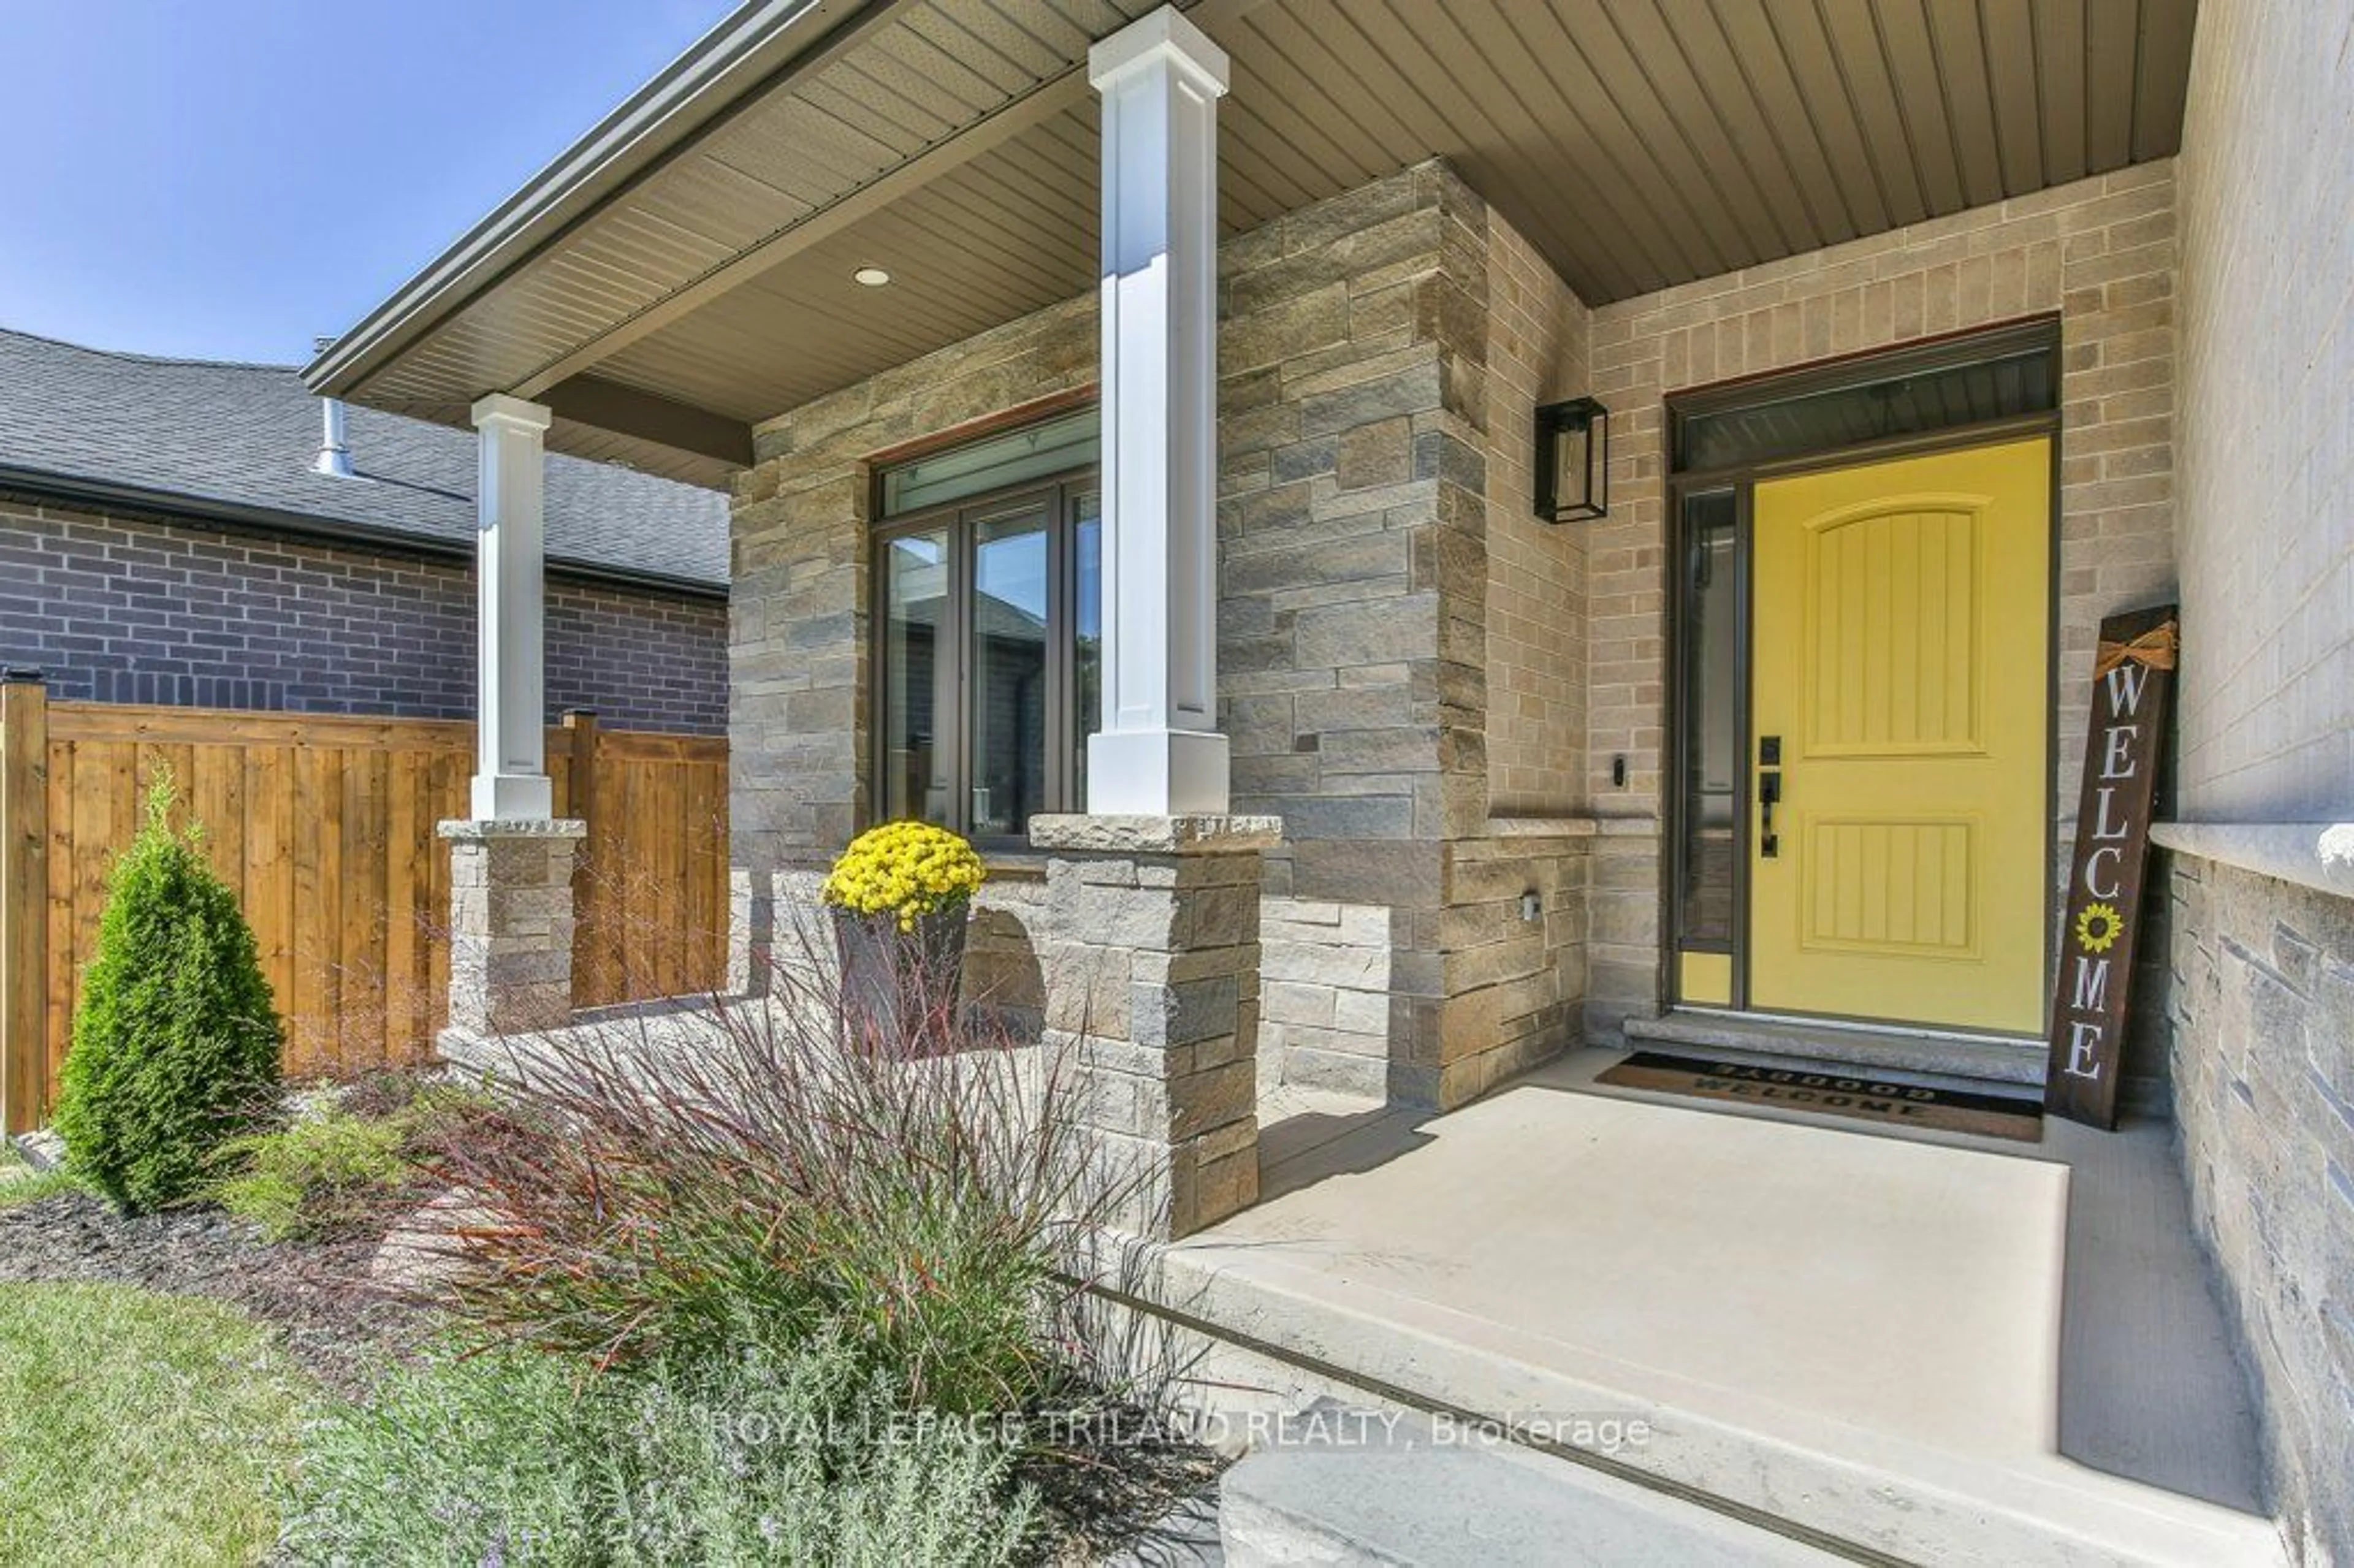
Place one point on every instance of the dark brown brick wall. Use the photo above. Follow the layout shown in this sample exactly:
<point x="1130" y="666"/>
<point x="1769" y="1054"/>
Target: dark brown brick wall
<point x="119" y="608"/>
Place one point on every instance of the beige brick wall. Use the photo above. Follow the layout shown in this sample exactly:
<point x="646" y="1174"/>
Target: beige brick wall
<point x="1537" y="353"/>
<point x="2099" y="253"/>
<point x="2264" y="993"/>
<point x="2267" y="346"/>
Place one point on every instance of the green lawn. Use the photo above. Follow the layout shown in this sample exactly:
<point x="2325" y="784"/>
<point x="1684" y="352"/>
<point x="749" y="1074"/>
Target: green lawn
<point x="139" y="1429"/>
<point x="20" y="1183"/>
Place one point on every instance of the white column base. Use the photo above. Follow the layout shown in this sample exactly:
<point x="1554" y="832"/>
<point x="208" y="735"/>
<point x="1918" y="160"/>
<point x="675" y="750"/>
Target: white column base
<point x="513" y="797"/>
<point x="1157" y="773"/>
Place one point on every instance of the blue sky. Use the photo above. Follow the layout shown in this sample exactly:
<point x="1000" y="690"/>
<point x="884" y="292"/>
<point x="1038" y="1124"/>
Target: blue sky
<point x="229" y="179"/>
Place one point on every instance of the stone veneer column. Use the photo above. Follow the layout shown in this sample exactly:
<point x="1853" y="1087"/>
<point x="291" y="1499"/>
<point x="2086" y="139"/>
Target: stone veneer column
<point x="751" y="934"/>
<point x="511" y="925"/>
<point x="1151" y="967"/>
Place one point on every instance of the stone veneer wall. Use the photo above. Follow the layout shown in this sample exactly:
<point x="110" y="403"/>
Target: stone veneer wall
<point x="1438" y="744"/>
<point x="2098" y="253"/>
<point x="1325" y="1007"/>
<point x="2264" y="1007"/>
<point x="1351" y="653"/>
<point x="1354" y="654"/>
<point x="798" y="704"/>
<point x="1366" y="461"/>
<point x="2263" y="1015"/>
<point x="1514" y="983"/>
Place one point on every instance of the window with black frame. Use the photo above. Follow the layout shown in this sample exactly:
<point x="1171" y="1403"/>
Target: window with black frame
<point x="1708" y="613"/>
<point x="988" y="630"/>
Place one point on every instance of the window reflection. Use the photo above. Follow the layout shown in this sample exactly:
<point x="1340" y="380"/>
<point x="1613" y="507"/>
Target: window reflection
<point x="990" y="650"/>
<point x="1710" y="591"/>
<point x="916" y="596"/>
<point x="1009" y="652"/>
<point x="1086" y="625"/>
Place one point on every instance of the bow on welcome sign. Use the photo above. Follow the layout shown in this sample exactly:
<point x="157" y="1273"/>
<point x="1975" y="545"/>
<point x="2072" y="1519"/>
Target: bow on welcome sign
<point x="2132" y="682"/>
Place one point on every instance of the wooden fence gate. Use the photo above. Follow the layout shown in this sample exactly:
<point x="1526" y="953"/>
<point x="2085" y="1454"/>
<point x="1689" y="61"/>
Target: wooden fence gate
<point x="323" y="825"/>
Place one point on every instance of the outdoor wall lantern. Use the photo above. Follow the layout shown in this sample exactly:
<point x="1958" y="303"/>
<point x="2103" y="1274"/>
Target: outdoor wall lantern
<point x="1573" y="460"/>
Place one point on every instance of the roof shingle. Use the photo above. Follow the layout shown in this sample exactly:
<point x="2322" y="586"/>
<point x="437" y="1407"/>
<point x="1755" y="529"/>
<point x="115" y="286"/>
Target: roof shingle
<point x="245" y="435"/>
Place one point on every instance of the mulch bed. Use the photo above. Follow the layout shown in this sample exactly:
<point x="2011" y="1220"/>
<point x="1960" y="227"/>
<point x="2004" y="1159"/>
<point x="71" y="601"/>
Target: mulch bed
<point x="317" y="1296"/>
<point x="343" y="1330"/>
<point x="1105" y="1500"/>
<point x="1117" y="1501"/>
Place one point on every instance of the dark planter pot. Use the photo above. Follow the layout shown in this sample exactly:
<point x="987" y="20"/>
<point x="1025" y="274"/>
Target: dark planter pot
<point x="899" y="987"/>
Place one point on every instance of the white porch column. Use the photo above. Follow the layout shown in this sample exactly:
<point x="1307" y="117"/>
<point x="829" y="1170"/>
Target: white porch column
<point x="1159" y="753"/>
<point x="510" y="742"/>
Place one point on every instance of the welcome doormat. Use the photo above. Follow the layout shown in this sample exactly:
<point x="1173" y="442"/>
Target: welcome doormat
<point x="1864" y="1098"/>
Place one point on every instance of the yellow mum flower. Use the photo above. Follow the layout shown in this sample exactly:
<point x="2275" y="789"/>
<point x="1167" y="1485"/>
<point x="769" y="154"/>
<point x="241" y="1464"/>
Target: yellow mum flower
<point x="905" y="869"/>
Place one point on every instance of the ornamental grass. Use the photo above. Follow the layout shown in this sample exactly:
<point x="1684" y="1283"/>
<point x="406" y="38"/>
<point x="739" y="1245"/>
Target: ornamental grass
<point x="646" y="1188"/>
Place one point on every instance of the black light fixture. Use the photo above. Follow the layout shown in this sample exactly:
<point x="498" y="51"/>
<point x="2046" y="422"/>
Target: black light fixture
<point x="1573" y="460"/>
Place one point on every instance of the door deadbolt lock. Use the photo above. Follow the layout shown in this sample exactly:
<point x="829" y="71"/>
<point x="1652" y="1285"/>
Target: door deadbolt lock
<point x="1769" y="792"/>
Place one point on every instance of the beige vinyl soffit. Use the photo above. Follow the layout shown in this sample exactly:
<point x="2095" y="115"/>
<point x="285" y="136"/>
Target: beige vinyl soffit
<point x="706" y="256"/>
<point x="725" y="69"/>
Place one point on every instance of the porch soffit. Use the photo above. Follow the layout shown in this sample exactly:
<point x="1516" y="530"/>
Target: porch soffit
<point x="1637" y="143"/>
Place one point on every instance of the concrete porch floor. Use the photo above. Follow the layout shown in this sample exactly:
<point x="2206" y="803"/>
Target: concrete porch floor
<point x="1857" y="1334"/>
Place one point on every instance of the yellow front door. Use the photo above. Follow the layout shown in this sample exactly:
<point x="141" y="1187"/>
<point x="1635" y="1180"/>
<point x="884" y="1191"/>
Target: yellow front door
<point x="1898" y="712"/>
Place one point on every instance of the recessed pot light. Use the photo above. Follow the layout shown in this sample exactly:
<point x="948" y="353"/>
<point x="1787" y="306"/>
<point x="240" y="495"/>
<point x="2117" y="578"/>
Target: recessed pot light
<point x="872" y="277"/>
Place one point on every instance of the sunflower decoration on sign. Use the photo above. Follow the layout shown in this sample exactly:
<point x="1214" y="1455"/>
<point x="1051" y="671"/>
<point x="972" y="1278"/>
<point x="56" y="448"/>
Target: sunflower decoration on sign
<point x="2098" y="927"/>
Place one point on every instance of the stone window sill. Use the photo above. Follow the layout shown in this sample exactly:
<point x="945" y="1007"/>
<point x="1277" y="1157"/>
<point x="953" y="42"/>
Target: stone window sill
<point x="2319" y="855"/>
<point x="1572" y="827"/>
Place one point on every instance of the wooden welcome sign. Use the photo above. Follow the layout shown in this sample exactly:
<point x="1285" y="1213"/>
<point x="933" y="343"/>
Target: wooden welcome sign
<point x="2133" y="679"/>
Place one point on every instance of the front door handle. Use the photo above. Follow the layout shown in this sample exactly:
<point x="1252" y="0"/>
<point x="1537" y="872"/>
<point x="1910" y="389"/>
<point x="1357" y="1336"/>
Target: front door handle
<point x="1769" y="790"/>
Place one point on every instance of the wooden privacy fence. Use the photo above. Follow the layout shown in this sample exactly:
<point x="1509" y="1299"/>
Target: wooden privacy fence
<point x="324" y="827"/>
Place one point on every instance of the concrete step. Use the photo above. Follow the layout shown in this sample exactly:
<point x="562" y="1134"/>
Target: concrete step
<point x="1936" y="1061"/>
<point x="1184" y="1537"/>
<point x="1365" y="1484"/>
<point x="1849" y="1341"/>
<point x="1777" y="1487"/>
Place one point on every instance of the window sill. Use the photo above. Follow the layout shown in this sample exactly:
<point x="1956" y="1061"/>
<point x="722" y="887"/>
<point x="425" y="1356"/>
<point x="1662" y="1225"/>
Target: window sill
<point x="2319" y="855"/>
<point x="1013" y="864"/>
<point x="1572" y="827"/>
